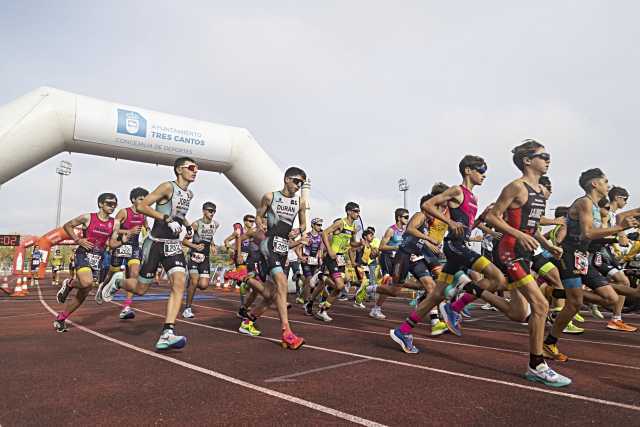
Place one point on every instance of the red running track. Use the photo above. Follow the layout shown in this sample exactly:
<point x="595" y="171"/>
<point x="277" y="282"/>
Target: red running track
<point x="105" y="371"/>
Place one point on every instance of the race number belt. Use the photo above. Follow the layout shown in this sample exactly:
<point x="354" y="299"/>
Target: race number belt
<point x="197" y="257"/>
<point x="94" y="261"/>
<point x="581" y="263"/>
<point x="340" y="261"/>
<point x="280" y="245"/>
<point x="124" y="251"/>
<point x="312" y="260"/>
<point x="415" y="258"/>
<point x="172" y="248"/>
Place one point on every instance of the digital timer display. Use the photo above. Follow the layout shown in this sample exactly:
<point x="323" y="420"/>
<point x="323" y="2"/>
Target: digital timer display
<point x="9" y="240"/>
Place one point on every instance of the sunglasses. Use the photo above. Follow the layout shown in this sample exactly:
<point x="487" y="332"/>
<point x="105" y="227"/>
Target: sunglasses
<point x="111" y="204"/>
<point x="192" y="168"/>
<point x="297" y="181"/>
<point x="481" y="169"/>
<point x="544" y="156"/>
<point x="318" y="225"/>
<point x="210" y="210"/>
<point x="606" y="208"/>
<point x="250" y="221"/>
<point x="405" y="216"/>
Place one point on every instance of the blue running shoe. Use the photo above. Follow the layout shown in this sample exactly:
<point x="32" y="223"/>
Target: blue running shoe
<point x="466" y="313"/>
<point x="547" y="376"/>
<point x="168" y="340"/>
<point x="404" y="340"/>
<point x="451" y="318"/>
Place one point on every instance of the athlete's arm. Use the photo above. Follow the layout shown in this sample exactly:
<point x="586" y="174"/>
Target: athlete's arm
<point x="187" y="241"/>
<point x="302" y="216"/>
<point x="68" y="227"/>
<point x="328" y="232"/>
<point x="556" y="251"/>
<point x="163" y="191"/>
<point x="452" y="194"/>
<point x="509" y="196"/>
<point x="486" y="230"/>
<point x="114" y="242"/>
<point x="589" y="232"/>
<point x="385" y="239"/>
<point x="630" y="213"/>
<point x="261" y="212"/>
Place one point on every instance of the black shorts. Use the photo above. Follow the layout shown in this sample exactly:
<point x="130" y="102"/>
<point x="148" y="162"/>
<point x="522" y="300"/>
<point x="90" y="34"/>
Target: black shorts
<point x="199" y="264"/>
<point x="604" y="262"/>
<point x="460" y="258"/>
<point x="126" y="255"/>
<point x="405" y="263"/>
<point x="274" y="260"/>
<point x="293" y="267"/>
<point x="167" y="254"/>
<point x="88" y="261"/>
<point x="256" y="266"/>
<point x="55" y="268"/>
<point x="386" y="263"/>
<point x="574" y="277"/>
<point x="309" y="270"/>
<point x="332" y="266"/>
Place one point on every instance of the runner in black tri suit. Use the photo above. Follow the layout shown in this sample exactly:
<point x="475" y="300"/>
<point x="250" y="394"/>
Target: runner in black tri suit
<point x="163" y="247"/>
<point x="201" y="245"/>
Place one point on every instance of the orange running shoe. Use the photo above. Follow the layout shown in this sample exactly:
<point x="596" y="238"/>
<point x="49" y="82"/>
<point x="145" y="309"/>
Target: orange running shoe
<point x="290" y="340"/>
<point x="619" y="325"/>
<point x="386" y="280"/>
<point x="550" y="351"/>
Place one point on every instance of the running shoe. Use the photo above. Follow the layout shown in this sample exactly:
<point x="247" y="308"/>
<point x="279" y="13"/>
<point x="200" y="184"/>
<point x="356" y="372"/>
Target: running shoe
<point x="465" y="312"/>
<point x="60" y="325"/>
<point x="551" y="316"/>
<point x="308" y="308"/>
<point x="404" y="340"/>
<point x="109" y="290"/>
<point x="127" y="313"/>
<point x="376" y="313"/>
<point x="619" y="325"/>
<point x="291" y="341"/>
<point x="299" y="300"/>
<point x="439" y="328"/>
<point x="247" y="327"/>
<point x="187" y="313"/>
<point x="386" y="280"/>
<point x="323" y="315"/>
<point x="578" y="318"/>
<point x="357" y="304"/>
<point x="595" y="311"/>
<point x="242" y="313"/>
<point x="572" y="329"/>
<point x="547" y="376"/>
<point x="343" y="297"/>
<point x="168" y="340"/>
<point x="488" y="307"/>
<point x="550" y="351"/>
<point x="63" y="292"/>
<point x="451" y="318"/>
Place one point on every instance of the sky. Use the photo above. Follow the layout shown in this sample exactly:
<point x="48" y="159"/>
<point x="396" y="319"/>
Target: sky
<point x="357" y="93"/>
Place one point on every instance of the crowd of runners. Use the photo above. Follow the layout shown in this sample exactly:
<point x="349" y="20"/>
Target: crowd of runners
<point x="532" y="276"/>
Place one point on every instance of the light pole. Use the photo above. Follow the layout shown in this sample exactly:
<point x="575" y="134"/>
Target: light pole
<point x="403" y="185"/>
<point x="63" y="169"/>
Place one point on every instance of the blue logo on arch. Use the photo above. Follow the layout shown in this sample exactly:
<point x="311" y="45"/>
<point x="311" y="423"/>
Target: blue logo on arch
<point x="131" y="123"/>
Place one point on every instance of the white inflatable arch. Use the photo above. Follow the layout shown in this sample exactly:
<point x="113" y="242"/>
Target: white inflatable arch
<point x="48" y="121"/>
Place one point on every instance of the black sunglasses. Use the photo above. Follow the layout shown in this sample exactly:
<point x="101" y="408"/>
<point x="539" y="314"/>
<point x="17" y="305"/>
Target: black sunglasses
<point x="297" y="181"/>
<point x="482" y="169"/>
<point x="405" y="216"/>
<point x="111" y="204"/>
<point x="210" y="210"/>
<point x="355" y="210"/>
<point x="544" y="156"/>
<point x="192" y="168"/>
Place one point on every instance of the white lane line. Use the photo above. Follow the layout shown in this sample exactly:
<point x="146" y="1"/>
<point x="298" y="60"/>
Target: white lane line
<point x="287" y="378"/>
<point x="293" y="399"/>
<point x="415" y="338"/>
<point x="424" y="368"/>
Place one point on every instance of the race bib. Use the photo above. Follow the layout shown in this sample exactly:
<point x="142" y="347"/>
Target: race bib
<point x="581" y="263"/>
<point x="280" y="245"/>
<point x="124" y="251"/>
<point x="312" y="260"/>
<point x="94" y="261"/>
<point x="35" y="262"/>
<point x="197" y="257"/>
<point x="415" y="258"/>
<point x="172" y="248"/>
<point x="340" y="261"/>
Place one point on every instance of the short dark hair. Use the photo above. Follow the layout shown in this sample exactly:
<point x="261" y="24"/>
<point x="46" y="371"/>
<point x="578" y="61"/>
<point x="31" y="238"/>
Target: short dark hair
<point x="561" y="211"/>
<point x="351" y="206"/>
<point x="248" y="216"/>
<point x="588" y="176"/>
<point x="526" y="149"/>
<point x="373" y="229"/>
<point x="106" y="196"/>
<point x="400" y="212"/>
<point x="470" y="161"/>
<point x="603" y="202"/>
<point x="181" y="161"/>
<point x="545" y="182"/>
<point x="209" y="205"/>
<point x="137" y="192"/>
<point x="295" y="171"/>
<point x="367" y="232"/>
<point x="438" y="188"/>
<point x="617" y="192"/>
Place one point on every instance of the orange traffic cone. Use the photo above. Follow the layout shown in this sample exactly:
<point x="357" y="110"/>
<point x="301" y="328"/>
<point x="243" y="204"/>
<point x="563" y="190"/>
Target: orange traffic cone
<point x="5" y="285"/>
<point x="17" y="291"/>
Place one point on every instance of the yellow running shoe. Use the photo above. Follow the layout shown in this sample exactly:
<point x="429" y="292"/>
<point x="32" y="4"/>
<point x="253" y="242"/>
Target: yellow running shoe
<point x="572" y="329"/>
<point x="550" y="351"/>
<point x="439" y="328"/>
<point x="248" y="328"/>
<point x="299" y="300"/>
<point x="578" y="318"/>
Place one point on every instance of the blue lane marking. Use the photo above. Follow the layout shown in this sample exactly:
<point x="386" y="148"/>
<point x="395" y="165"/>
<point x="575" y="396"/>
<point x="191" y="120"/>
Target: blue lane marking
<point x="159" y="297"/>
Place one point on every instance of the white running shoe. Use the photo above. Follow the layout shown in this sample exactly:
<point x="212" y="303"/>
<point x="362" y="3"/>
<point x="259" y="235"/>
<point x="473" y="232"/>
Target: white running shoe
<point x="547" y="376"/>
<point x="169" y="340"/>
<point x="107" y="291"/>
<point x="595" y="312"/>
<point x="489" y="307"/>
<point x="323" y="315"/>
<point x="127" y="313"/>
<point x="187" y="313"/>
<point x="376" y="313"/>
<point x="359" y="305"/>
